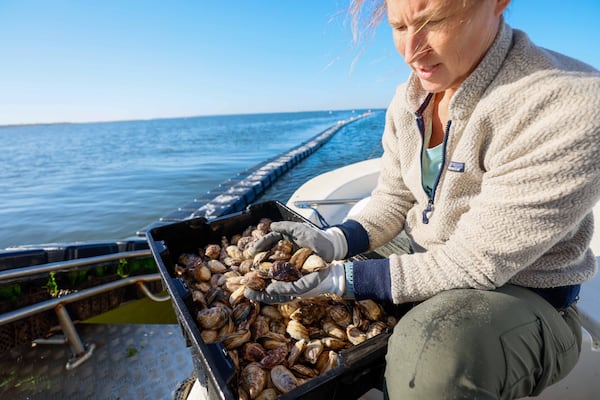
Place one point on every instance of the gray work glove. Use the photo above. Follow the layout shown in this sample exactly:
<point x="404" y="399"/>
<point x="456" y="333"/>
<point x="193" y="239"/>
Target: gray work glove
<point x="330" y="280"/>
<point x="329" y="244"/>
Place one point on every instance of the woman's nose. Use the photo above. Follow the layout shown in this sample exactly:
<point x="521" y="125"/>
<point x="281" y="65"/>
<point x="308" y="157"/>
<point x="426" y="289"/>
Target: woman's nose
<point x="414" y="44"/>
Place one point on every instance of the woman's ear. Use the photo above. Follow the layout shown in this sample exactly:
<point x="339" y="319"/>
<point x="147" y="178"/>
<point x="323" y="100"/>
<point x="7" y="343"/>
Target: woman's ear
<point x="500" y="7"/>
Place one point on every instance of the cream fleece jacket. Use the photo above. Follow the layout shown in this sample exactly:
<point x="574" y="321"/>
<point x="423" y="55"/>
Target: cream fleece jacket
<point x="520" y="176"/>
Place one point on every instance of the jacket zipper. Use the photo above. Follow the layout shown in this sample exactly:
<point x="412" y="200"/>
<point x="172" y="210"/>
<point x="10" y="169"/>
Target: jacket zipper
<point x="421" y="125"/>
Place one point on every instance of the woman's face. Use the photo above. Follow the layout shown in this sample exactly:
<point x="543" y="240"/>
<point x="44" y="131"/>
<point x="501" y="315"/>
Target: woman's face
<point x="444" y="40"/>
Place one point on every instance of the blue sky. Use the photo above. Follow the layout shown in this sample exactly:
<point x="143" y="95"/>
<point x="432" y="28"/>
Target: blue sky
<point x="107" y="60"/>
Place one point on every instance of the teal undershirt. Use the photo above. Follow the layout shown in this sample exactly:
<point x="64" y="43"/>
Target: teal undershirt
<point x="432" y="162"/>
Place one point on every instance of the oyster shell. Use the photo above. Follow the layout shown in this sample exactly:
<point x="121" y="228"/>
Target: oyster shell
<point x="252" y="351"/>
<point x="235" y="253"/>
<point x="371" y="310"/>
<point x="260" y="327"/>
<point x="212" y="251"/>
<point x="268" y="394"/>
<point x="213" y="317"/>
<point x="284" y="271"/>
<point x="340" y="314"/>
<point x="376" y="328"/>
<point x="333" y="330"/>
<point x="304" y="371"/>
<point x="283" y="379"/>
<point x="286" y="309"/>
<point x="355" y="335"/>
<point x="300" y="256"/>
<point x="296" y="330"/>
<point x="209" y="336"/>
<point x="254" y="281"/>
<point x="308" y="313"/>
<point x="253" y="379"/>
<point x="235" y="339"/>
<point x="270" y="311"/>
<point x="216" y="266"/>
<point x="274" y="357"/>
<point x="201" y="273"/>
<point x="296" y="351"/>
<point x="313" y="263"/>
<point x="313" y="349"/>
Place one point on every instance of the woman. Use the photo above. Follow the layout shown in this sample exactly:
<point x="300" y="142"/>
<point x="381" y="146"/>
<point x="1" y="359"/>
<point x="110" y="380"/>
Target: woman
<point x="490" y="167"/>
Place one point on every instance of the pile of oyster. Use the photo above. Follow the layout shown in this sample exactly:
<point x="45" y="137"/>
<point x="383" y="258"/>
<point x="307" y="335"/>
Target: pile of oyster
<point x="274" y="348"/>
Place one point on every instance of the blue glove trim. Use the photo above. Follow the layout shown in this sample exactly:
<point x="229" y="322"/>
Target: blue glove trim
<point x="356" y="236"/>
<point x="372" y="280"/>
<point x="348" y="270"/>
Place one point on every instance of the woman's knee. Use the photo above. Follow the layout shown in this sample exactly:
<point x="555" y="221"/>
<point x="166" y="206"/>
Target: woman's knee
<point x="443" y="345"/>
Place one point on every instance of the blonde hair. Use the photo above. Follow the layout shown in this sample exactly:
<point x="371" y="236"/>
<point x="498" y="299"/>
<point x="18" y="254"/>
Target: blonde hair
<point x="365" y="17"/>
<point x="367" y="14"/>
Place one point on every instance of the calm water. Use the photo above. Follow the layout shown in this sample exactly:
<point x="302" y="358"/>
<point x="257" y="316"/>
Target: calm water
<point x="104" y="181"/>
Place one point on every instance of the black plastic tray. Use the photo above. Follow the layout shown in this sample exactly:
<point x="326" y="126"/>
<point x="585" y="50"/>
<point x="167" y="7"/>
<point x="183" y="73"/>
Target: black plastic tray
<point x="360" y="368"/>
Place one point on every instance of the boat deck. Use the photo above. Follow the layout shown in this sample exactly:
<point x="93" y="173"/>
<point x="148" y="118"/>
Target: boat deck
<point x="130" y="361"/>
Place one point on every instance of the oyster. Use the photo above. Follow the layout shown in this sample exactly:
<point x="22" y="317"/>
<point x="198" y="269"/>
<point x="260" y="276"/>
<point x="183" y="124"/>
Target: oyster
<point x="253" y="379"/>
<point x="284" y="271"/>
<point x="309" y="313"/>
<point x="245" y="266"/>
<point x="198" y="297"/>
<point x="254" y="280"/>
<point x="270" y="311"/>
<point x="216" y="266"/>
<point x="277" y="326"/>
<point x="274" y="357"/>
<point x="213" y="318"/>
<point x="313" y="263"/>
<point x="209" y="335"/>
<point x="245" y="242"/>
<point x="260" y="327"/>
<point x="268" y="394"/>
<point x="371" y="309"/>
<point x="304" y="370"/>
<point x="355" y="335"/>
<point x="283" y="379"/>
<point x="340" y="315"/>
<point x="201" y="273"/>
<point x="212" y="251"/>
<point x="300" y="256"/>
<point x="260" y="257"/>
<point x="264" y="225"/>
<point x="235" y="339"/>
<point x="376" y="328"/>
<point x="296" y="351"/>
<point x="333" y="330"/>
<point x="313" y="349"/>
<point x="237" y="295"/>
<point x="235" y="253"/>
<point x="241" y="312"/>
<point x="296" y="330"/>
<point x="252" y="351"/>
<point x="286" y="309"/>
<point x="334" y="343"/>
<point x="284" y="247"/>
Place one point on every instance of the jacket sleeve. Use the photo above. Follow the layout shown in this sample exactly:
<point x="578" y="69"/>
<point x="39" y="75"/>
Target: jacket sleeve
<point x="531" y="223"/>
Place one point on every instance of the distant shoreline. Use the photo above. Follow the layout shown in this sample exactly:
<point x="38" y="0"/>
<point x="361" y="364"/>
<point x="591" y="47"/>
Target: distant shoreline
<point x="29" y="124"/>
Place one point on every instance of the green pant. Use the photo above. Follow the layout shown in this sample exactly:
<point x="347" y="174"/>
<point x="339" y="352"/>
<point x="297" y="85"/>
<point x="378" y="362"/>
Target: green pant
<point x="476" y="344"/>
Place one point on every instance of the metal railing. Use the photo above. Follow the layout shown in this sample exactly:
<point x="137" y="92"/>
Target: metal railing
<point x="80" y="351"/>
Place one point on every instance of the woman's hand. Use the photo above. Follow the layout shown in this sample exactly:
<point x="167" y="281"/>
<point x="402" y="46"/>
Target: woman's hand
<point x="331" y="280"/>
<point x="329" y="244"/>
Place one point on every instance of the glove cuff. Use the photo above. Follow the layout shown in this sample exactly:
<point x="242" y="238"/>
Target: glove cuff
<point x="349" y="275"/>
<point x="338" y="240"/>
<point x="338" y="275"/>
